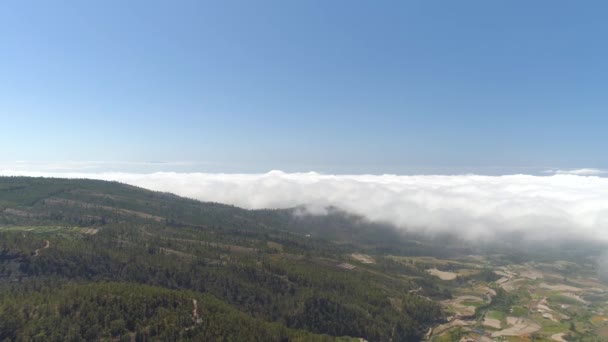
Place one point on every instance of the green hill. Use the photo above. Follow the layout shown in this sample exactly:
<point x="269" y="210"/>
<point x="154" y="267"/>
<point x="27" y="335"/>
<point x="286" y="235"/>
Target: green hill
<point x="93" y="260"/>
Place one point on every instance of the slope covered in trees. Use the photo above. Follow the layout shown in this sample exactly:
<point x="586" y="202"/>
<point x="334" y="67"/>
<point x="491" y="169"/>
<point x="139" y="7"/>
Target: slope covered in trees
<point x="126" y="263"/>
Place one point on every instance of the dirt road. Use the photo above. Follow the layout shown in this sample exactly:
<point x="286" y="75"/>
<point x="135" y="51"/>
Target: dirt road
<point x="47" y="244"/>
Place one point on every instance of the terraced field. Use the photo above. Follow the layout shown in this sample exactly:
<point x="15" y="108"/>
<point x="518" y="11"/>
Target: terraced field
<point x="523" y="302"/>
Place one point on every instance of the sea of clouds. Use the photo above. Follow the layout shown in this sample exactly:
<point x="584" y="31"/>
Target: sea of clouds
<point x="560" y="205"/>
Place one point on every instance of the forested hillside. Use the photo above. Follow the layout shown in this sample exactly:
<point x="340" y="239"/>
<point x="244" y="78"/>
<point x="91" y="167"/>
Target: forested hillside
<point x="84" y="260"/>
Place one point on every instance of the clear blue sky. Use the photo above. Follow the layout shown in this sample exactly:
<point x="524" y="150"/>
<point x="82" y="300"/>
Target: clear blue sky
<point x="331" y="86"/>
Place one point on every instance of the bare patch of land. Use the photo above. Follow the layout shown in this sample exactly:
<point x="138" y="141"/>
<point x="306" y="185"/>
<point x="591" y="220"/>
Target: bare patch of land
<point x="492" y="322"/>
<point x="363" y="258"/>
<point x="573" y="296"/>
<point x="460" y="307"/>
<point x="442" y="274"/>
<point x="560" y="287"/>
<point x="16" y="212"/>
<point x="558" y="337"/>
<point x="346" y="266"/>
<point x="454" y="323"/>
<point x="518" y="327"/>
<point x="89" y="231"/>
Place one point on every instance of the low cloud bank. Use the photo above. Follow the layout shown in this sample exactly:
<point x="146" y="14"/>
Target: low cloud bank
<point x="538" y="207"/>
<point x="579" y="172"/>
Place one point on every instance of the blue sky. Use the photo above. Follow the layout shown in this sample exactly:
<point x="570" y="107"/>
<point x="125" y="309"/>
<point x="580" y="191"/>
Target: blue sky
<point x="332" y="86"/>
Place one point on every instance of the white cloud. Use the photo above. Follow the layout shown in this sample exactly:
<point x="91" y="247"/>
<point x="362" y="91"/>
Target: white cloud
<point x="578" y="172"/>
<point x="544" y="207"/>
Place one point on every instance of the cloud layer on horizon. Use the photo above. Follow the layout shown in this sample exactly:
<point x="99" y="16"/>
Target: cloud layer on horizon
<point x="539" y="207"/>
<point x="578" y="172"/>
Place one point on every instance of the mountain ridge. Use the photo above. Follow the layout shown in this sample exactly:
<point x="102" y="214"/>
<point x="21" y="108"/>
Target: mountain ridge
<point x="270" y="265"/>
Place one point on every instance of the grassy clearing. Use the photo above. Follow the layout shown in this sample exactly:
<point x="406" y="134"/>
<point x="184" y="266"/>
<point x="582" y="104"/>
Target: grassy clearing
<point x="470" y="302"/>
<point x="275" y="245"/>
<point x="45" y="232"/>
<point x="518" y="311"/>
<point x="431" y="261"/>
<point x="550" y="327"/>
<point x="561" y="299"/>
<point x="501" y="316"/>
<point x="39" y="229"/>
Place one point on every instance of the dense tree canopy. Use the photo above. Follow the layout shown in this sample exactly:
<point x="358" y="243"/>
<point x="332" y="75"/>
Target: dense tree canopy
<point x="85" y="260"/>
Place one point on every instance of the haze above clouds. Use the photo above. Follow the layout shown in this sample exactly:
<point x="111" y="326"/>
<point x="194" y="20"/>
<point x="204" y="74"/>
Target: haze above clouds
<point x="538" y="207"/>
